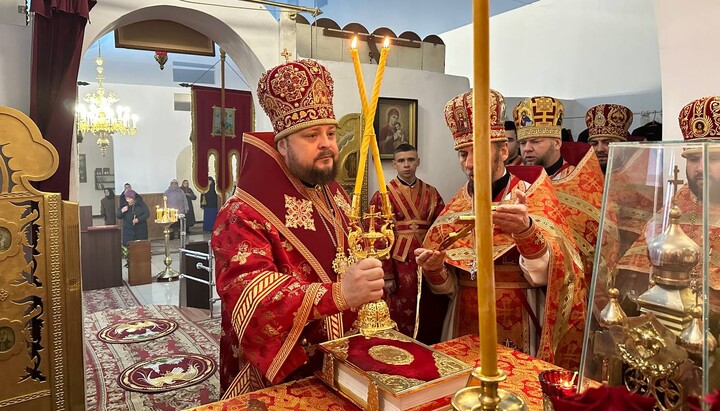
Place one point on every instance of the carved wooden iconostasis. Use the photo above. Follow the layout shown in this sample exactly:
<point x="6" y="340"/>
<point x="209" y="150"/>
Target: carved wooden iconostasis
<point x="349" y="137"/>
<point x="41" y="350"/>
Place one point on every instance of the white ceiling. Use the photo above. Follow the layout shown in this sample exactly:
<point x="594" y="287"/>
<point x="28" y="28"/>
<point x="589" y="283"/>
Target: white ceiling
<point x="424" y="17"/>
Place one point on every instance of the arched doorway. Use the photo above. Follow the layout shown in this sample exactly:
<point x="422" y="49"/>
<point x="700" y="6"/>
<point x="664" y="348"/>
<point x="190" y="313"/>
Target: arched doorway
<point x="144" y="150"/>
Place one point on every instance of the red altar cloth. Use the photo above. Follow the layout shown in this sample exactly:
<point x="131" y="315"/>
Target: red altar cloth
<point x="311" y="394"/>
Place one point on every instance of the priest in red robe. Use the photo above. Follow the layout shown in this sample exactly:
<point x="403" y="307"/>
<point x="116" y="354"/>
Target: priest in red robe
<point x="699" y="121"/>
<point x="532" y="247"/>
<point x="280" y="241"/>
<point x="416" y="204"/>
<point x="573" y="168"/>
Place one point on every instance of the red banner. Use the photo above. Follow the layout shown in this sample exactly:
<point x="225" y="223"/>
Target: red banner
<point x="207" y="135"/>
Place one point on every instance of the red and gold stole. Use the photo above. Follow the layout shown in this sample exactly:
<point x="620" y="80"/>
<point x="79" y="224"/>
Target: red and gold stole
<point x="580" y="193"/>
<point x="414" y="208"/>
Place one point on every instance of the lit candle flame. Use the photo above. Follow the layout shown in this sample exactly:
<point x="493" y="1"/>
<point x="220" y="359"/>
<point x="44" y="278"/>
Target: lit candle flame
<point x="353" y="44"/>
<point x="386" y="43"/>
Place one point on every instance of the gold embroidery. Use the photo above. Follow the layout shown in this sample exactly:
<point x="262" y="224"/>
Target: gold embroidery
<point x="255" y="225"/>
<point x="242" y="254"/>
<point x="389" y="354"/>
<point x="298" y="213"/>
<point x="342" y="203"/>
<point x="319" y="296"/>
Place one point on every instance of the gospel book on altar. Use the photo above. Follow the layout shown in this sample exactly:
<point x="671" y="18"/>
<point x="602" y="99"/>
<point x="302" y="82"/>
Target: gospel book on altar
<point x="390" y="371"/>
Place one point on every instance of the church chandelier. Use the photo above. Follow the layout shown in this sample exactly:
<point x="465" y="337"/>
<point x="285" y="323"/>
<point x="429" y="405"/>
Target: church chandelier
<point x="101" y="116"/>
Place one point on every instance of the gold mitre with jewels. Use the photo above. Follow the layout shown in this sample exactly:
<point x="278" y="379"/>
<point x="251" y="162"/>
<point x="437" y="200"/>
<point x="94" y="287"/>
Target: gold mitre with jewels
<point x="540" y="116"/>
<point x="459" y="113"/>
<point x="296" y="95"/>
<point x="611" y="121"/>
<point x="700" y="121"/>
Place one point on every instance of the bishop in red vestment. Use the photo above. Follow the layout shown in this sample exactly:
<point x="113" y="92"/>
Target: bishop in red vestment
<point x="280" y="241"/>
<point x="540" y="290"/>
<point x="416" y="205"/>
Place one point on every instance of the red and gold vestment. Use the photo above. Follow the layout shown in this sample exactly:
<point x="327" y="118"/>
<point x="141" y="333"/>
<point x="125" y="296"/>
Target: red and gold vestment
<point x="414" y="210"/>
<point x="275" y="241"/>
<point x="563" y="322"/>
<point x="580" y="191"/>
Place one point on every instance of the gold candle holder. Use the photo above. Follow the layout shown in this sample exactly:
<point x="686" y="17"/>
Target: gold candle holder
<point x="167" y="217"/>
<point x="487" y="396"/>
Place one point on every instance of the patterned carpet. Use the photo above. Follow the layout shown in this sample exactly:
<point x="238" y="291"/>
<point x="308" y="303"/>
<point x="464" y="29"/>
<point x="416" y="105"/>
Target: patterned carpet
<point x="109" y="299"/>
<point x="105" y="362"/>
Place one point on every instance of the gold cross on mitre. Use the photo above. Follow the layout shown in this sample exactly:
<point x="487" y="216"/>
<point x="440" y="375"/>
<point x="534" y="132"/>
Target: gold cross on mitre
<point x="285" y="53"/>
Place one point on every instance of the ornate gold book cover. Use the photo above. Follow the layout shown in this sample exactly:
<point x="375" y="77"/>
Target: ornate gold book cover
<point x="392" y="363"/>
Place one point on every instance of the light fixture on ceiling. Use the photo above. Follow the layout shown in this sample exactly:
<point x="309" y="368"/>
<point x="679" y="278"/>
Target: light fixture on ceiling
<point x="161" y="57"/>
<point x="101" y="117"/>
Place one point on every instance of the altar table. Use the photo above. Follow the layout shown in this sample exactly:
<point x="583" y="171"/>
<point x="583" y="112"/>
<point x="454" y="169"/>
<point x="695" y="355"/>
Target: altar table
<point x="310" y="394"/>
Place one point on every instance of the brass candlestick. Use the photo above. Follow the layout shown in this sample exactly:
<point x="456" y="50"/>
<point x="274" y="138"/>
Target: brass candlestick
<point x="487" y="396"/>
<point x="167" y="217"/>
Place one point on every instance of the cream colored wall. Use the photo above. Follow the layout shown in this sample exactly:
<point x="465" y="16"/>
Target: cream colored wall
<point x="688" y="58"/>
<point x="15" y="66"/>
<point x="570" y="49"/>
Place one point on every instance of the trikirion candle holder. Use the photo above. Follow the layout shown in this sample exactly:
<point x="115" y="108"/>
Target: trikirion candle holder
<point x="166" y="217"/>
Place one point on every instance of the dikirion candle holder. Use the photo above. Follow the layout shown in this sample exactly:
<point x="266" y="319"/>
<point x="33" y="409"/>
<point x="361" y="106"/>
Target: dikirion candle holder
<point x="167" y="217"/>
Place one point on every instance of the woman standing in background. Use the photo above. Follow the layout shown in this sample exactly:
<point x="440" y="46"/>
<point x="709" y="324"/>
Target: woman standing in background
<point x="107" y="207"/>
<point x="209" y="204"/>
<point x="190" y="195"/>
<point x="134" y="215"/>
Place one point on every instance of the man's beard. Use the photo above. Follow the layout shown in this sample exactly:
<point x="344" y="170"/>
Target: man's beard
<point x="543" y="161"/>
<point x="695" y="185"/>
<point x="312" y="174"/>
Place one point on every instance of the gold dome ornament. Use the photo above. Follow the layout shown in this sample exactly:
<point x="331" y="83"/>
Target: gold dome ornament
<point x="693" y="337"/>
<point x="613" y="313"/>
<point x="673" y="255"/>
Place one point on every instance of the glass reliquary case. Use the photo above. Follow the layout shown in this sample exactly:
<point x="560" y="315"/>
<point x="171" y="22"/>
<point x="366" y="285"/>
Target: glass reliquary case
<point x="654" y="301"/>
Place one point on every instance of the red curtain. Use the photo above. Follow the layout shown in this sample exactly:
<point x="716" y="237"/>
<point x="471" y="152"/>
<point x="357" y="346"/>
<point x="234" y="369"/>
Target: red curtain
<point x="59" y="27"/>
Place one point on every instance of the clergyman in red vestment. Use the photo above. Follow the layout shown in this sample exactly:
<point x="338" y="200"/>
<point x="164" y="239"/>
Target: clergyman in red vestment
<point x="688" y="199"/>
<point x="573" y="168"/>
<point x="532" y="247"/>
<point x="280" y="241"/>
<point x="416" y="204"/>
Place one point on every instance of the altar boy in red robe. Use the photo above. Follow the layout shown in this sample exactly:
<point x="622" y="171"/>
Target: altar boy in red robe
<point x="416" y="204"/>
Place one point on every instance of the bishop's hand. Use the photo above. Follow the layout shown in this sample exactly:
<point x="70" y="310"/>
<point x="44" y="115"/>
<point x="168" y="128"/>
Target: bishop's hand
<point x="363" y="282"/>
<point x="512" y="218"/>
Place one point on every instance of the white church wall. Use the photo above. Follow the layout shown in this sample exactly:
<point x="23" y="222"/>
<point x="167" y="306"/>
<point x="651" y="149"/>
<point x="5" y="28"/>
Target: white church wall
<point x="439" y="165"/>
<point x="15" y="66"/>
<point x="87" y="194"/>
<point x="147" y="160"/>
<point x="569" y="48"/>
<point x="158" y="152"/>
<point x="687" y="58"/>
